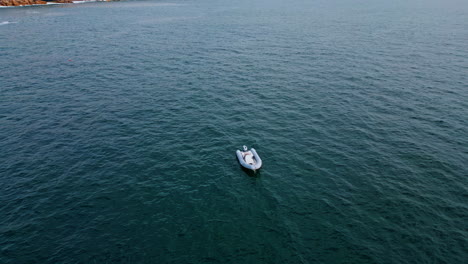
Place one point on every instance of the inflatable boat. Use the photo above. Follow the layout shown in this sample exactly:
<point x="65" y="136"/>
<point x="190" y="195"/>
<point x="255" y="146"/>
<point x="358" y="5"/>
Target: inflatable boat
<point x="249" y="159"/>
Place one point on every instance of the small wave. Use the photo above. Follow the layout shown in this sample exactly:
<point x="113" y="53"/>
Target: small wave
<point x="83" y="1"/>
<point x="6" y="23"/>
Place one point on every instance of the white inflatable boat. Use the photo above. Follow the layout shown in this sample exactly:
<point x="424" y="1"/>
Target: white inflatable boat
<point x="249" y="159"/>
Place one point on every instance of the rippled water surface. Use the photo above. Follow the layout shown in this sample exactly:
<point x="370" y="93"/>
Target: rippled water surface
<point x="119" y="123"/>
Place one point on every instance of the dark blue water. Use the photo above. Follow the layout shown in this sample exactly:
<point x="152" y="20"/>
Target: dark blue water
<point x="119" y="124"/>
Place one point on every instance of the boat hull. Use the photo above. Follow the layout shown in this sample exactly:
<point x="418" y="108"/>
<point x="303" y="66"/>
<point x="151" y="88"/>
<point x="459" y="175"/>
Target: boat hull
<point x="243" y="163"/>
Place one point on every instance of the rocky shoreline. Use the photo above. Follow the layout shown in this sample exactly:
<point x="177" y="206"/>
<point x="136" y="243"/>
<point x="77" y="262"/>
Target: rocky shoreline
<point x="39" y="2"/>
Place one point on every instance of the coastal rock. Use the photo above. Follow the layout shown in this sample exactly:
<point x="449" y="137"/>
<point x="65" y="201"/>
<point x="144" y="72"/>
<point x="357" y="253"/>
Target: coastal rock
<point x="21" y="2"/>
<point x="40" y="2"/>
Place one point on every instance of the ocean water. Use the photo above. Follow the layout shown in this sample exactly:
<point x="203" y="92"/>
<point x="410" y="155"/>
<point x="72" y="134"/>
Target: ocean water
<point x="119" y="124"/>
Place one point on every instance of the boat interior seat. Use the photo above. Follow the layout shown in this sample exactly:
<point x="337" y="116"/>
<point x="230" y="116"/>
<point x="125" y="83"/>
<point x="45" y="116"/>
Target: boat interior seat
<point x="248" y="157"/>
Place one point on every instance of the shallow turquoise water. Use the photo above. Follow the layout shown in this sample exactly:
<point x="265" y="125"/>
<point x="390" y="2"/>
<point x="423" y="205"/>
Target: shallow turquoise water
<point x="119" y="124"/>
